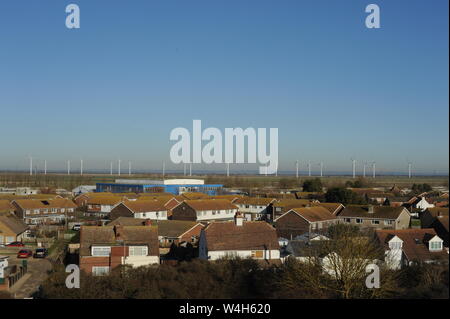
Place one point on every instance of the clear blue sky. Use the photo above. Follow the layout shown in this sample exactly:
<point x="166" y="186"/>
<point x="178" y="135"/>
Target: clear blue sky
<point x="137" y="69"/>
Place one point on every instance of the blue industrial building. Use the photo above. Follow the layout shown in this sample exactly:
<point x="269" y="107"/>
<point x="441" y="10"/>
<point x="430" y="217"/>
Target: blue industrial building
<point x="137" y="186"/>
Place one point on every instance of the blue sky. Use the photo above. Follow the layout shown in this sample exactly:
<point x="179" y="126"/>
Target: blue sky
<point x="135" y="70"/>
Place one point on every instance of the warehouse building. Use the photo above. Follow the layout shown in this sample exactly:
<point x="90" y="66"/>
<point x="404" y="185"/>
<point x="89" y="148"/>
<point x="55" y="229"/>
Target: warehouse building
<point x="174" y="186"/>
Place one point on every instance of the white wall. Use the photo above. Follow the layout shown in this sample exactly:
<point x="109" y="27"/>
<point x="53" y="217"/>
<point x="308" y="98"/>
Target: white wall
<point x="220" y="214"/>
<point x="214" y="255"/>
<point x="162" y="215"/>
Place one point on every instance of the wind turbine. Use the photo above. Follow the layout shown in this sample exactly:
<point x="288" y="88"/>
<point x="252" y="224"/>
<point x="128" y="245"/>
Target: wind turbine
<point x="228" y="169"/>
<point x="118" y="169"/>
<point x="111" y="168"/>
<point x="354" y="167"/>
<point x="373" y="169"/>
<point x="190" y="169"/>
<point x="164" y="169"/>
<point x="309" y="168"/>
<point x="364" y="169"/>
<point x="31" y="165"/>
<point x="129" y="168"/>
<point x="409" y="169"/>
<point x="184" y="172"/>
<point x="321" y="169"/>
<point x="296" y="168"/>
<point x="68" y="167"/>
<point x="81" y="166"/>
<point x="45" y="167"/>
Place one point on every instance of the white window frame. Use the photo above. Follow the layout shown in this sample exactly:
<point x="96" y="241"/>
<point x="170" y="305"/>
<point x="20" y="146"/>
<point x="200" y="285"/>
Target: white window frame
<point x="105" y="251"/>
<point x="132" y="251"/>
<point x="100" y="270"/>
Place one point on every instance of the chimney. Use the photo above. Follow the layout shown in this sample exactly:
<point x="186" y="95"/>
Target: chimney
<point x="239" y="219"/>
<point x="370" y="209"/>
<point x="148" y="222"/>
<point x="118" y="230"/>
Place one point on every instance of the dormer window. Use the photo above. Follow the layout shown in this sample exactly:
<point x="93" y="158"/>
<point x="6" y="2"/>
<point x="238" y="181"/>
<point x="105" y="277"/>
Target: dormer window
<point x="435" y="246"/>
<point x="395" y="245"/>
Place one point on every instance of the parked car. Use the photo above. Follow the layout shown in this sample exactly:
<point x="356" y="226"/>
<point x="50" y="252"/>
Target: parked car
<point x="16" y="244"/>
<point x="40" y="253"/>
<point x="76" y="227"/>
<point x="24" y="253"/>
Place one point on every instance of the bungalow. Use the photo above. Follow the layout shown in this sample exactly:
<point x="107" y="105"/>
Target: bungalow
<point x="103" y="248"/>
<point x="379" y="217"/>
<point x="11" y="229"/>
<point x="255" y="208"/>
<point x="150" y="209"/>
<point x="407" y="246"/>
<point x="299" y="221"/>
<point x="34" y="211"/>
<point x="169" y="231"/>
<point x="239" y="238"/>
<point x="204" y="210"/>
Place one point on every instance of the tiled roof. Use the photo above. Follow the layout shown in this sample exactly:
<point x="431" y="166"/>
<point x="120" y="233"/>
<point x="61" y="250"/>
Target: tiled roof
<point x="210" y="204"/>
<point x="415" y="242"/>
<point x="141" y="206"/>
<point x="44" y="204"/>
<point x="112" y="235"/>
<point x="382" y="212"/>
<point x="332" y="207"/>
<point x="257" y="235"/>
<point x="166" y="228"/>
<point x="12" y="223"/>
<point x="6" y="206"/>
<point x="255" y="201"/>
<point x="194" y="195"/>
<point x="438" y="211"/>
<point x="105" y="200"/>
<point x="312" y="214"/>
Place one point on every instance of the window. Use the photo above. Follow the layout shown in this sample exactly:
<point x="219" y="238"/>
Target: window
<point x="100" y="270"/>
<point x="359" y="220"/>
<point x="347" y="220"/>
<point x="257" y="254"/>
<point x="138" y="251"/>
<point x="435" y="245"/>
<point x="375" y="222"/>
<point x="101" y="251"/>
<point x="388" y="222"/>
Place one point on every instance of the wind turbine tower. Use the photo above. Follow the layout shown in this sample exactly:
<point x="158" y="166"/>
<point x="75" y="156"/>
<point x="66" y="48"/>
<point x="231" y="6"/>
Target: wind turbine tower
<point x="31" y="165"/>
<point x="118" y="169"/>
<point x="296" y="169"/>
<point x="309" y="169"/>
<point x="409" y="169"/>
<point x="68" y="167"/>
<point x="354" y="167"/>
<point x="321" y="169"/>
<point x="373" y="169"/>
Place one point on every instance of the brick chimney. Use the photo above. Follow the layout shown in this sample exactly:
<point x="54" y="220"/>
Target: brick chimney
<point x="239" y="219"/>
<point x="370" y="209"/>
<point x="118" y="231"/>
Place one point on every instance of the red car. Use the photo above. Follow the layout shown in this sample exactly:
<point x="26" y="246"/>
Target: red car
<point x="24" y="253"/>
<point x="15" y="244"/>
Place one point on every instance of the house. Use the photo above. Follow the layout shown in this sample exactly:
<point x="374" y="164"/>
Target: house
<point x="299" y="221"/>
<point x="284" y="205"/>
<point x="6" y="207"/>
<point x="239" y="238"/>
<point x="255" y="208"/>
<point x="11" y="229"/>
<point x="34" y="211"/>
<point x="378" y="217"/>
<point x="333" y="208"/>
<point x="204" y="210"/>
<point x="407" y="246"/>
<point x="103" y="248"/>
<point x="169" y="231"/>
<point x="436" y="218"/>
<point x="102" y="205"/>
<point x="149" y="209"/>
<point x="422" y="204"/>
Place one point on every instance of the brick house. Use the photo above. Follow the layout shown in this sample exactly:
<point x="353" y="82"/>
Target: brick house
<point x="149" y="209"/>
<point x="204" y="210"/>
<point x="103" y="248"/>
<point x="102" y="205"/>
<point x="299" y="221"/>
<point x="34" y="211"/>
<point x="378" y="217"/>
<point x="169" y="231"/>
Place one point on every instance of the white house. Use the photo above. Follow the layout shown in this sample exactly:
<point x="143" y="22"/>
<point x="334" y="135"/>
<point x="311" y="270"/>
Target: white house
<point x="255" y="208"/>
